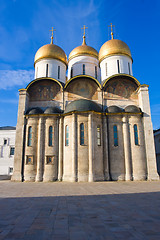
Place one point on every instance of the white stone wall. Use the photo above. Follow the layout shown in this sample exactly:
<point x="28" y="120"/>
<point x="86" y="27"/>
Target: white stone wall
<point x="116" y="153"/>
<point x="112" y="67"/>
<point x="77" y="65"/>
<point x="6" y="160"/>
<point x="51" y="169"/>
<point x="138" y="152"/>
<point x="30" y="169"/>
<point x="40" y="69"/>
<point x="144" y="104"/>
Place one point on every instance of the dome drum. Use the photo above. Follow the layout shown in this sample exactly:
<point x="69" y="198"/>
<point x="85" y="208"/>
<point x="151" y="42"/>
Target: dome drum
<point x="84" y="65"/>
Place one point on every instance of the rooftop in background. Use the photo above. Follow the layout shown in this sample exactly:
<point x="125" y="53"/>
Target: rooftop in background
<point x="7" y="128"/>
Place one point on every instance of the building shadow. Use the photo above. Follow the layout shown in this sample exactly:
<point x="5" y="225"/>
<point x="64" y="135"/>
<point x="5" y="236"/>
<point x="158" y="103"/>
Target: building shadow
<point x="111" y="216"/>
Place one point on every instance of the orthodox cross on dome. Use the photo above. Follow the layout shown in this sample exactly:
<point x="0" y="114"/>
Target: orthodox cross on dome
<point x="84" y="34"/>
<point x="52" y="34"/>
<point x="111" y="26"/>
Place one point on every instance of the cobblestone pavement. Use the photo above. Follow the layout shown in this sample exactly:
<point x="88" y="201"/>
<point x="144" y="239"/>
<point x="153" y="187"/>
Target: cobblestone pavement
<point x="80" y="211"/>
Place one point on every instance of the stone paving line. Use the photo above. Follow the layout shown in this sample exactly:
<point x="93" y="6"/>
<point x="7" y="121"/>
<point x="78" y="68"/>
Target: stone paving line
<point x="80" y="211"/>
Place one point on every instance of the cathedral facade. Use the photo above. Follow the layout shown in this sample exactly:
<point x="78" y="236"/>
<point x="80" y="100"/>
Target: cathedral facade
<point x="93" y="125"/>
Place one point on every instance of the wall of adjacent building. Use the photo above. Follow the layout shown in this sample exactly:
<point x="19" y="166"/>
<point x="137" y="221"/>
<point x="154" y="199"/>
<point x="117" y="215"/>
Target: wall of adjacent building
<point x="7" y="141"/>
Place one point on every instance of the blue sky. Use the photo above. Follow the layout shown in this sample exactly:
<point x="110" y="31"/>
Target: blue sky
<point x="25" y="25"/>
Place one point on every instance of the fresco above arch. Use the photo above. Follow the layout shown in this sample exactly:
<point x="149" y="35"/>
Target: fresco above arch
<point x="44" y="90"/>
<point x="82" y="88"/>
<point x="120" y="89"/>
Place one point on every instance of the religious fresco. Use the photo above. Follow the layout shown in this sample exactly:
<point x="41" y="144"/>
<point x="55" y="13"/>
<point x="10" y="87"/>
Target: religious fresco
<point x="43" y="90"/>
<point x="120" y="89"/>
<point x="82" y="88"/>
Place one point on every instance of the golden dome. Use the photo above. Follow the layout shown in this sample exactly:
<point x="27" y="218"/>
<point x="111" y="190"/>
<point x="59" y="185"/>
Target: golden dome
<point x="114" y="47"/>
<point x="83" y="50"/>
<point x="50" y="51"/>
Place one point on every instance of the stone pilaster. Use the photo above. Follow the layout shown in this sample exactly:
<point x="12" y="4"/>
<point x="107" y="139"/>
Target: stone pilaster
<point x="60" y="159"/>
<point x="20" y="135"/>
<point x="40" y="150"/>
<point x="91" y="147"/>
<point x="74" y="149"/>
<point x="127" y="149"/>
<point x="105" y="149"/>
<point x="148" y="133"/>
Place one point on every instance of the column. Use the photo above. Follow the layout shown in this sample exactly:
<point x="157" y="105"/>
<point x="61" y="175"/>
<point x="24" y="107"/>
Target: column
<point x="127" y="149"/>
<point x="60" y="157"/>
<point x="148" y="133"/>
<point x="105" y="149"/>
<point x="91" y="147"/>
<point x="40" y="150"/>
<point x="74" y="149"/>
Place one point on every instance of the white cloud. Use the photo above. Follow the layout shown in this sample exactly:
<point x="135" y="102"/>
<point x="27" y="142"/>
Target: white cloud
<point x="10" y="78"/>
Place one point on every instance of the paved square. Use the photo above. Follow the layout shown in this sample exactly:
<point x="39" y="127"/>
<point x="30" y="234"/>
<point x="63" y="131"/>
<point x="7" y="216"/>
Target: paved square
<point x="80" y="211"/>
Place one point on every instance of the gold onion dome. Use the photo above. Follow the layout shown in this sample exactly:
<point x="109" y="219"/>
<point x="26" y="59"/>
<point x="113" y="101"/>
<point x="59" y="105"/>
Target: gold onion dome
<point x="50" y="51"/>
<point x="83" y="50"/>
<point x="114" y="47"/>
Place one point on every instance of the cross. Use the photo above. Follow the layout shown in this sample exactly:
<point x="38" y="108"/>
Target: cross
<point x="52" y="34"/>
<point x="84" y="27"/>
<point x="111" y="26"/>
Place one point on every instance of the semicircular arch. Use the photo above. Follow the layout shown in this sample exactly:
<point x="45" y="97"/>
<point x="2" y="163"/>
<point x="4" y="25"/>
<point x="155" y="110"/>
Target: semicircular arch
<point x="82" y="76"/>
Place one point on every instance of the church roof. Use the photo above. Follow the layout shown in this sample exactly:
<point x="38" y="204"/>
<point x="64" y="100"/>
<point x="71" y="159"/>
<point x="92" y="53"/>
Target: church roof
<point x="51" y="51"/>
<point x="83" y="50"/>
<point x="7" y="128"/>
<point x="82" y="105"/>
<point x="114" y="109"/>
<point x="51" y="110"/>
<point x="114" y="47"/>
<point x="132" y="108"/>
<point x="36" y="110"/>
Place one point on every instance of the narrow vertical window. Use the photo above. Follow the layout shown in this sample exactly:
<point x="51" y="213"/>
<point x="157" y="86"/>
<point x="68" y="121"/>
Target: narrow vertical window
<point x="129" y="70"/>
<point x="96" y="72"/>
<point x="82" y="134"/>
<point x="71" y="72"/>
<point x="37" y="73"/>
<point x="98" y="136"/>
<point x="67" y="135"/>
<point x="83" y="69"/>
<point x="29" y="136"/>
<point x="106" y="70"/>
<point x="46" y="70"/>
<point x="135" y="134"/>
<point x="50" y="140"/>
<point x="115" y="135"/>
<point x="58" y="72"/>
<point x="118" y="66"/>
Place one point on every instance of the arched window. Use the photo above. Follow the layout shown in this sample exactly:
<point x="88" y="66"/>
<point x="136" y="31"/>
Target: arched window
<point x="67" y="135"/>
<point x="115" y="135"/>
<point x="58" y="72"/>
<point x="106" y="70"/>
<point x="29" y="136"/>
<point x="71" y="72"/>
<point x="98" y="136"/>
<point x="37" y="73"/>
<point x="50" y="139"/>
<point x="118" y="66"/>
<point x="136" y="134"/>
<point x="84" y="69"/>
<point x="96" y="72"/>
<point x="46" y="70"/>
<point x="82" y="134"/>
<point x="129" y="70"/>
